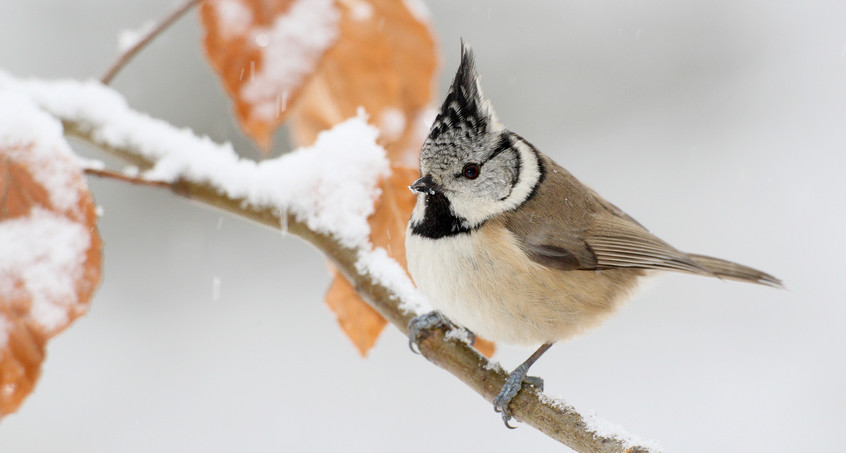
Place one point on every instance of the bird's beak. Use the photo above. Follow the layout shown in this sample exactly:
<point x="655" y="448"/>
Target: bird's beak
<point x="425" y="185"/>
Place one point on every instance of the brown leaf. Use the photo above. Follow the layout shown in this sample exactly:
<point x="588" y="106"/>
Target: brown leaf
<point x="48" y="222"/>
<point x="361" y="322"/>
<point x="382" y="57"/>
<point x="487" y="348"/>
<point x="263" y="51"/>
<point x="385" y="61"/>
<point x="358" y="319"/>
<point x="322" y="59"/>
<point x="393" y="209"/>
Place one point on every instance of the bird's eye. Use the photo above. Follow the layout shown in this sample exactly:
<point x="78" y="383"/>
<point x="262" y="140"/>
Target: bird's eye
<point x="471" y="171"/>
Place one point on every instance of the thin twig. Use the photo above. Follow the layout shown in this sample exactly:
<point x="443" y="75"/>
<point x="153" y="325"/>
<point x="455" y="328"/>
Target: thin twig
<point x="111" y="174"/>
<point x="127" y="54"/>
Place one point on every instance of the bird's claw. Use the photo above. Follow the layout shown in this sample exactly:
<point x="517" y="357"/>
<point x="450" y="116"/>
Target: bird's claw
<point x="534" y="381"/>
<point x="419" y="324"/>
<point x="512" y="386"/>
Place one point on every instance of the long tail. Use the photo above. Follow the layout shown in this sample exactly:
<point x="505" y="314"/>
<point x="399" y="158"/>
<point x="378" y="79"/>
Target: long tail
<point x="727" y="269"/>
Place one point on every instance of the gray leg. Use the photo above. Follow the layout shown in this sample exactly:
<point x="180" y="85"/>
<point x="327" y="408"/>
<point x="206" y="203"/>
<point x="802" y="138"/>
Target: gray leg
<point x="515" y="382"/>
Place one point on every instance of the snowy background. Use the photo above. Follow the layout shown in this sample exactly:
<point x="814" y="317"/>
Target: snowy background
<point x="720" y="125"/>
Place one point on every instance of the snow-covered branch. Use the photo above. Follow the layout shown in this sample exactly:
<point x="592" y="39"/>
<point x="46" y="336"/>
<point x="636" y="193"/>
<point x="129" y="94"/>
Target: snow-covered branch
<point x="323" y="194"/>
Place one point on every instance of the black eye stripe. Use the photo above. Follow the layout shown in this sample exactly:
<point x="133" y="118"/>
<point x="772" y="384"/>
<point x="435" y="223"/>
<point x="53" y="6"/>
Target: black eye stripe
<point x="504" y="144"/>
<point x="516" y="178"/>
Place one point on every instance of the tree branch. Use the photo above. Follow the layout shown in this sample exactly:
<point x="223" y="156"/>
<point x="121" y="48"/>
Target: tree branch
<point x="94" y="120"/>
<point x="554" y="418"/>
<point x="129" y="53"/>
<point x="557" y="420"/>
<point x="111" y="174"/>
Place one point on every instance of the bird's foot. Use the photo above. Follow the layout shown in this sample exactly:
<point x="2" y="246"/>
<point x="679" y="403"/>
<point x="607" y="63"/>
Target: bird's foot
<point x="512" y="386"/>
<point x="419" y="325"/>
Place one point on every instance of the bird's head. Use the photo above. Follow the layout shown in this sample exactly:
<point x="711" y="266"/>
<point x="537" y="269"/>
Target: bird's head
<point x="470" y="161"/>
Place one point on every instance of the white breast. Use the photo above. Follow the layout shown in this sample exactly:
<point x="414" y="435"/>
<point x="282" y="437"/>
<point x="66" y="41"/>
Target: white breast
<point x="484" y="282"/>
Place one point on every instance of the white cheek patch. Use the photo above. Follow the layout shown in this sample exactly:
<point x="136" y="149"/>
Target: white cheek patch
<point x="530" y="174"/>
<point x="477" y="211"/>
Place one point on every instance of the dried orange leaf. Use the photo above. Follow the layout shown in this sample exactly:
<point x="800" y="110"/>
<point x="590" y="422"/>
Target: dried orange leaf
<point x="318" y="62"/>
<point x="50" y="251"/>
<point x="487" y="348"/>
<point x="263" y="51"/>
<point x="20" y="364"/>
<point x="344" y="54"/>
<point x="393" y="209"/>
<point x="358" y="319"/>
<point x="384" y="60"/>
<point x="387" y="227"/>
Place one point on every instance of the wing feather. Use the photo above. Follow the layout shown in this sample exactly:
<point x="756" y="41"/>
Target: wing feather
<point x="567" y="226"/>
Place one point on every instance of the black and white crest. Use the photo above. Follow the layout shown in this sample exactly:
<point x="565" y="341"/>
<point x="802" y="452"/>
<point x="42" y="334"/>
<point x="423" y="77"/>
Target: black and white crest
<point x="473" y="168"/>
<point x="465" y="111"/>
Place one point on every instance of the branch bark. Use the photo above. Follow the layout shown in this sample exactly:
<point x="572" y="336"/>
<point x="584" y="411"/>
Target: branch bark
<point x="111" y="174"/>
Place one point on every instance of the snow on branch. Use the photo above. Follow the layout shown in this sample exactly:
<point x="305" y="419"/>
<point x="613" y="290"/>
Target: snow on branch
<point x="330" y="186"/>
<point x="324" y="194"/>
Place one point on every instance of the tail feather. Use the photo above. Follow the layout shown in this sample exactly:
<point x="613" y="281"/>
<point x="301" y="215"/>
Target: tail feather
<point x="727" y="269"/>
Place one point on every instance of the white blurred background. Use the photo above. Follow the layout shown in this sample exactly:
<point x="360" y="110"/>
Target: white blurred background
<point x="720" y="125"/>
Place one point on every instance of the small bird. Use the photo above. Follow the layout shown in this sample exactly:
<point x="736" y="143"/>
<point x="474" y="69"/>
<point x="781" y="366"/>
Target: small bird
<point x="507" y="244"/>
